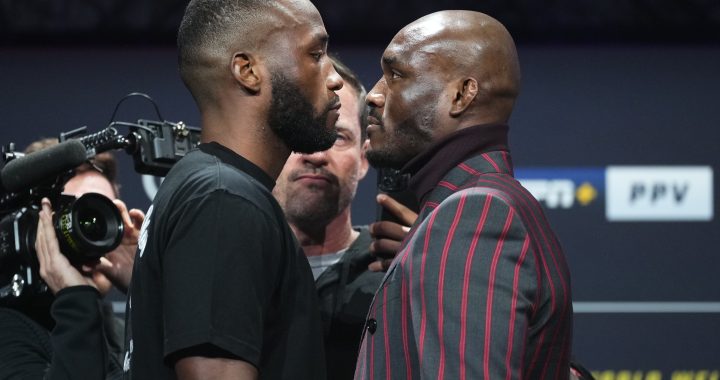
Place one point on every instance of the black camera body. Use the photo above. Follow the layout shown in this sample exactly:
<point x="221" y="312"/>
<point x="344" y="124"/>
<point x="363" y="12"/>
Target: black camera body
<point x="86" y="227"/>
<point x="154" y="145"/>
<point x="166" y="143"/>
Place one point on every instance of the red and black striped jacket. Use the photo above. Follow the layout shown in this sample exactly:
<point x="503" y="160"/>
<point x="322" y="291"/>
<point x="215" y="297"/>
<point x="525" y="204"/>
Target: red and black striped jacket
<point x="480" y="288"/>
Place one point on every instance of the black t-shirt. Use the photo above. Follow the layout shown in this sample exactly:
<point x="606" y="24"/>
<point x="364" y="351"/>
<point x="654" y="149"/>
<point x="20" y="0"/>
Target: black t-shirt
<point x="219" y="273"/>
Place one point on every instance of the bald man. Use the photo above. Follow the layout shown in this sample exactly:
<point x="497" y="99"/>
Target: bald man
<point x="480" y="288"/>
<point x="220" y="287"/>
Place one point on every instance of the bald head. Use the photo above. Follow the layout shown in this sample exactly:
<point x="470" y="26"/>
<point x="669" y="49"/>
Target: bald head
<point x="444" y="72"/>
<point x="468" y="44"/>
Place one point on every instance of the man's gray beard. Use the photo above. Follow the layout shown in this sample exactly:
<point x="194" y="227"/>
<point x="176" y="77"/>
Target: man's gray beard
<point x="318" y="213"/>
<point x="311" y="215"/>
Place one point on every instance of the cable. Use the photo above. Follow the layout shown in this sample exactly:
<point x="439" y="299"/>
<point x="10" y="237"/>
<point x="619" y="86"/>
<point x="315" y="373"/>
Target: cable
<point x="126" y="124"/>
<point x="124" y="98"/>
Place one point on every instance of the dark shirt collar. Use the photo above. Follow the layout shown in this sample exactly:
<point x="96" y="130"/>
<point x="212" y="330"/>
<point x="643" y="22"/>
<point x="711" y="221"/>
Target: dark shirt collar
<point x="428" y="168"/>
<point x="229" y="157"/>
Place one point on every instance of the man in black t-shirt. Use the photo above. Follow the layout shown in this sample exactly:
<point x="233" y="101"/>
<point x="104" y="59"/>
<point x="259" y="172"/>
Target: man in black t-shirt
<point x="219" y="274"/>
<point x="220" y="287"/>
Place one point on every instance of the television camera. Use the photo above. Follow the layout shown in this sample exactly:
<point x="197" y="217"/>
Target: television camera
<point x="86" y="227"/>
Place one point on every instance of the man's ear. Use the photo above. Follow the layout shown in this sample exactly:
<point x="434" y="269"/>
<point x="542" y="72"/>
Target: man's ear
<point x="464" y="93"/>
<point x="246" y="71"/>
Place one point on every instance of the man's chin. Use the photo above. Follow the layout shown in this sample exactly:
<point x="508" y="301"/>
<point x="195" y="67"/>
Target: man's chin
<point x="383" y="159"/>
<point x="315" y="141"/>
<point x="310" y="198"/>
<point x="311" y="212"/>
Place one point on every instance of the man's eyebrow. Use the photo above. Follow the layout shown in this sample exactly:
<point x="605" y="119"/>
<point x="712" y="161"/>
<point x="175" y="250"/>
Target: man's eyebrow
<point x="389" y="60"/>
<point x="320" y="38"/>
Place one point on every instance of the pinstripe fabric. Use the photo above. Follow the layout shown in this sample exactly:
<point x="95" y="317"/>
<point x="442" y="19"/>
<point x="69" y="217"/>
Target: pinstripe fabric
<point x="480" y="289"/>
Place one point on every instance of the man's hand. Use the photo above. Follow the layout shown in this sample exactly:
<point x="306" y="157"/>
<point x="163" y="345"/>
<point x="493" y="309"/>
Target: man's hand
<point x="196" y="367"/>
<point x="55" y="268"/>
<point x="117" y="265"/>
<point x="388" y="236"/>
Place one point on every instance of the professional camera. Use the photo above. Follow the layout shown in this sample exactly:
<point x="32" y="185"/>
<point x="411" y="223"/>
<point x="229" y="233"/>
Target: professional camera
<point x="86" y="227"/>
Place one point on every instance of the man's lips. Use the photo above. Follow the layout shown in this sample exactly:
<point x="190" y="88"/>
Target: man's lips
<point x="334" y="103"/>
<point x="333" y="113"/>
<point x="374" y="124"/>
<point x="372" y="120"/>
<point x="312" y="177"/>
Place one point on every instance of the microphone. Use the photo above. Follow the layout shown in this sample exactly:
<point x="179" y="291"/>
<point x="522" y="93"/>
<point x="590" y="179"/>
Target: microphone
<point x="37" y="167"/>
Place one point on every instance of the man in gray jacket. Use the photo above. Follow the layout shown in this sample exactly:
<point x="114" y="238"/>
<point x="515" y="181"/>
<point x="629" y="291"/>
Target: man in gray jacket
<point x="316" y="191"/>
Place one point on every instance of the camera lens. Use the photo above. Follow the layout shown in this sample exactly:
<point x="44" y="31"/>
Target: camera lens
<point x="91" y="224"/>
<point x="88" y="227"/>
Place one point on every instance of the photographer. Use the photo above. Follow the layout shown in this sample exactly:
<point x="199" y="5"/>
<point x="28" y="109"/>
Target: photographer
<point x="71" y="333"/>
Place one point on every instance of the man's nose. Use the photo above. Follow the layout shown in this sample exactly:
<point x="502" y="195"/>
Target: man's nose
<point x="334" y="81"/>
<point x="316" y="159"/>
<point x="376" y="98"/>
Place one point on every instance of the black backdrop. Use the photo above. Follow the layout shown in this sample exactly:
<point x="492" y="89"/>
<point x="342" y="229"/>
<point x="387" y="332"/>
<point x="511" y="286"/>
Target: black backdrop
<point x="647" y="296"/>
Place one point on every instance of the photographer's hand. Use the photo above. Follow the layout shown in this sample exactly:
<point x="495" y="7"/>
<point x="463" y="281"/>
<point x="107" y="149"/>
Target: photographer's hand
<point x="55" y="268"/>
<point x="118" y="264"/>
<point x="388" y="236"/>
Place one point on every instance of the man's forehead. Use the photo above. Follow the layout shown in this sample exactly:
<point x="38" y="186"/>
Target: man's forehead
<point x="425" y="29"/>
<point x="298" y="13"/>
<point x="402" y="51"/>
<point x="423" y="38"/>
<point x="307" y="35"/>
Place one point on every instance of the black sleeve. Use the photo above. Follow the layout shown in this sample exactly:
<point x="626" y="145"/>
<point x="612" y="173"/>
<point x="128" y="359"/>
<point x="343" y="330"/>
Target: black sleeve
<point x="25" y="349"/>
<point x="218" y="275"/>
<point x="78" y="339"/>
<point x="75" y="349"/>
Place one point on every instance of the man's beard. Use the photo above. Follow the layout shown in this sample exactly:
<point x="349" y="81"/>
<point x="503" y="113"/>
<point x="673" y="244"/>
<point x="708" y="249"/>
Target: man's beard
<point x="402" y="143"/>
<point x="389" y="158"/>
<point x="312" y="207"/>
<point x="292" y="118"/>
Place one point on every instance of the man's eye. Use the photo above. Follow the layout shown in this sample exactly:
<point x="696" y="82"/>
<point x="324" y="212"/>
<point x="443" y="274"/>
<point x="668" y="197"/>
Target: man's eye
<point x="341" y="140"/>
<point x="394" y="75"/>
<point x="318" y="55"/>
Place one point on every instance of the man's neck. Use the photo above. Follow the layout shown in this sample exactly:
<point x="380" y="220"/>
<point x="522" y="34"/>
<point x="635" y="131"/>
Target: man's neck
<point x="252" y="142"/>
<point x="330" y="238"/>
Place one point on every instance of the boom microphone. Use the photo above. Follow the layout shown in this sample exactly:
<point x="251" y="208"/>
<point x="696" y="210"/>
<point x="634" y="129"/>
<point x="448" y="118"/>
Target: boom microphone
<point x="37" y="167"/>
